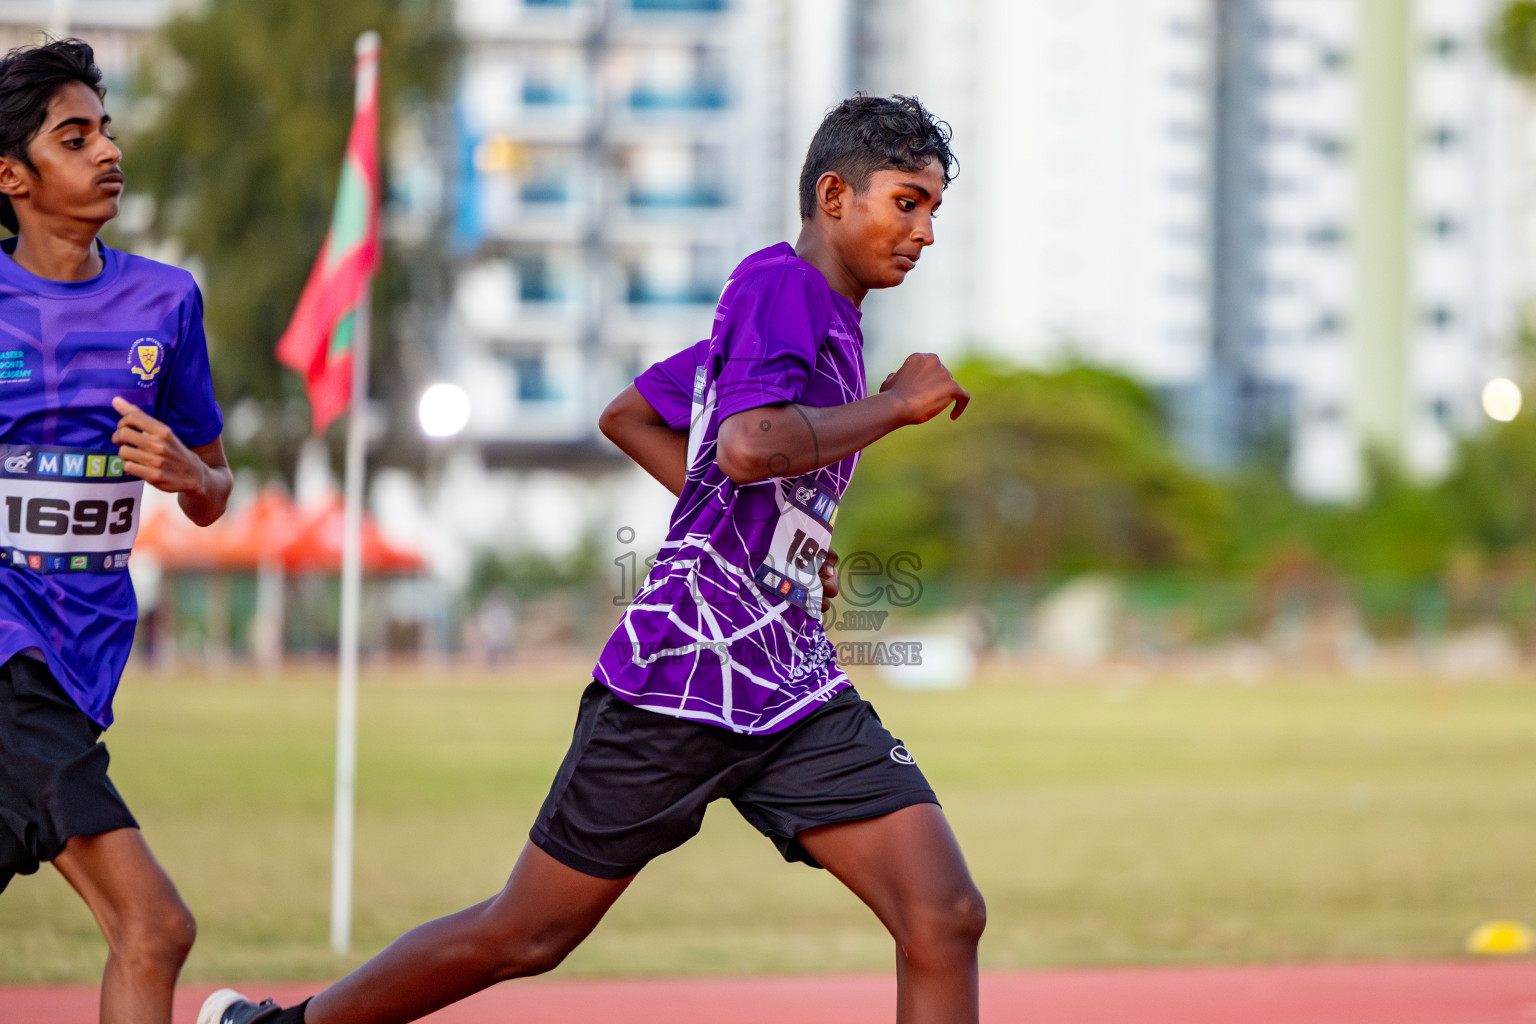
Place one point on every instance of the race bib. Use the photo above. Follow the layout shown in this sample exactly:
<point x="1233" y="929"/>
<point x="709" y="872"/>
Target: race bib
<point x="66" y="509"/>
<point x="801" y="538"/>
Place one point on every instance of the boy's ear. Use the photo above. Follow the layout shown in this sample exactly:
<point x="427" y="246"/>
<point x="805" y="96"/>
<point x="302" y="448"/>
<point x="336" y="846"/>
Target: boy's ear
<point x="13" y="180"/>
<point x="831" y="191"/>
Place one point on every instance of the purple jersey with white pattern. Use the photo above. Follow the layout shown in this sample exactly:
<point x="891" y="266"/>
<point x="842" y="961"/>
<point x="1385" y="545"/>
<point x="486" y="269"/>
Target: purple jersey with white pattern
<point x="66" y="350"/>
<point x="727" y="628"/>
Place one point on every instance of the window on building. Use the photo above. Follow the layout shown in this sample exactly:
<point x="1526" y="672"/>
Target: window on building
<point x="1333" y="59"/>
<point x="532" y="382"/>
<point x="1328" y="325"/>
<point x="1330" y="146"/>
<point x="1326" y="412"/>
<point x="1326" y="236"/>
<point x="669" y="6"/>
<point x="1440" y="410"/>
<point x="1444" y="227"/>
<point x="1277" y="286"/>
<point x="1441" y="317"/>
<point x="1275" y="184"/>
<point x="1442" y="136"/>
<point x="1272" y="131"/>
<point x="1269" y="234"/>
<point x="1445" y="47"/>
<point x="1275" y="28"/>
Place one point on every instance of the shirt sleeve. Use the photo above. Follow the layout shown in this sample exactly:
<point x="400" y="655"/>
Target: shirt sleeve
<point x="668" y="385"/>
<point x="190" y="408"/>
<point x="773" y="323"/>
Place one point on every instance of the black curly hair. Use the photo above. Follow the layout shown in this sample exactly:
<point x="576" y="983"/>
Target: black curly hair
<point x="29" y="78"/>
<point x="864" y="134"/>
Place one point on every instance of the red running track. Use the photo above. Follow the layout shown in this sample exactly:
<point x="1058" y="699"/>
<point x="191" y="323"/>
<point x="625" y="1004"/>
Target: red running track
<point x="1431" y="993"/>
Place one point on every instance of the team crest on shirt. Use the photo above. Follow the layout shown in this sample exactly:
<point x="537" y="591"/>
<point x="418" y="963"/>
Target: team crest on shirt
<point x="146" y="357"/>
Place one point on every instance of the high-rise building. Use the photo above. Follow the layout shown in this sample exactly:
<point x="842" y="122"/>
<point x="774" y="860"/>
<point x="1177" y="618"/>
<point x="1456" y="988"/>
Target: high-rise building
<point x="1367" y="261"/>
<point x="116" y="29"/>
<point x="1298" y="219"/>
<point x="1079" y="225"/>
<point x="1467" y="194"/>
<point x="1283" y="199"/>
<point x="616" y="157"/>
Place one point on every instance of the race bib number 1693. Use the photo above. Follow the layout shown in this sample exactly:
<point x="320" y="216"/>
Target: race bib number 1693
<point x="66" y="509"/>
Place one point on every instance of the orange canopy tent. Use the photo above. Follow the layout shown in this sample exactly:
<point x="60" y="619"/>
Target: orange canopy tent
<point x="317" y="545"/>
<point x="171" y="539"/>
<point x="270" y="530"/>
<point x="258" y="534"/>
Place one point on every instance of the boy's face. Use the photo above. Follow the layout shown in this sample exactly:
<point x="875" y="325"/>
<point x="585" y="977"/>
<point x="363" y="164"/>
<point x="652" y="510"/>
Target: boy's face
<point x="77" y="175"/>
<point x="884" y="229"/>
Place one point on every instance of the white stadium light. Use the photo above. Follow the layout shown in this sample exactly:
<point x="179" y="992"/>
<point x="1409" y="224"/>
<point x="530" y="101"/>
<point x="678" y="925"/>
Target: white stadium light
<point x="1501" y="399"/>
<point x="443" y="410"/>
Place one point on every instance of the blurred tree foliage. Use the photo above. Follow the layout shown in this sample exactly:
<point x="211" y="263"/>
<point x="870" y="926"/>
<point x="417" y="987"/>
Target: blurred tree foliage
<point x="252" y="103"/>
<point x="1044" y="474"/>
<point x="1050" y="474"/>
<point x="1401" y="530"/>
<point x="1513" y="38"/>
<point x="532" y="574"/>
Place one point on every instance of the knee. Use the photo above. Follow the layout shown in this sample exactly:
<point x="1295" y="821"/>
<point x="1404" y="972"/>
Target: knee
<point x="511" y="949"/>
<point x="946" y="930"/>
<point x="525" y="956"/>
<point x="157" y="937"/>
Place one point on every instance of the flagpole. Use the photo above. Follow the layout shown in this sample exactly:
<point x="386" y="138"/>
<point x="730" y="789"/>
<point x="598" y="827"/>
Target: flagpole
<point x="351" y="575"/>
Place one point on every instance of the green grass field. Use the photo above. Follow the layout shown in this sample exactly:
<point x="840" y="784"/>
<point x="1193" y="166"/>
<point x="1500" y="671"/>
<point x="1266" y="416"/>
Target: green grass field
<point x="1107" y="824"/>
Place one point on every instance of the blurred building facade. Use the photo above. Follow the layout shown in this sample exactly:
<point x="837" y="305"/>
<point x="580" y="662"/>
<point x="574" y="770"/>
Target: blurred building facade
<point x="1307" y="222"/>
<point x="1368" y="199"/>
<point x="618" y="156"/>
<point x="1299" y="220"/>
<point x="615" y="159"/>
<point x="118" y="30"/>
<point x="1079" y="225"/>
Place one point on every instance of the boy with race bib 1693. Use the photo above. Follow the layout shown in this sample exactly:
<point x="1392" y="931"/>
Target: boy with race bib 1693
<point x="719" y="681"/>
<point x="104" y="385"/>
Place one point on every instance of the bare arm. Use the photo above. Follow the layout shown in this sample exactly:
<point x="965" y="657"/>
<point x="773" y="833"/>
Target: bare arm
<point x="787" y="439"/>
<point x="641" y="433"/>
<point x="199" y="477"/>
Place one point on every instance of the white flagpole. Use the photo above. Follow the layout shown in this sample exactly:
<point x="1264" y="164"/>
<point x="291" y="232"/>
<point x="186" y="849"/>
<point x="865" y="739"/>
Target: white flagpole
<point x="351" y="575"/>
<point x="59" y="23"/>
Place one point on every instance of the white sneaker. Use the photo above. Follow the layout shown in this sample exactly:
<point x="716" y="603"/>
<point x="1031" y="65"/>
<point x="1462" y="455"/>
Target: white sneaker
<point x="226" y="1006"/>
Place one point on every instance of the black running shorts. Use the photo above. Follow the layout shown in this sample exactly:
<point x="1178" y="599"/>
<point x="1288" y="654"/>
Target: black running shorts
<point x="635" y="783"/>
<point x="53" y="772"/>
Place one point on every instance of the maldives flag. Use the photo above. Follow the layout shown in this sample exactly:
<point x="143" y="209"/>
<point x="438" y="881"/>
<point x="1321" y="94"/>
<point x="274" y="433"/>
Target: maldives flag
<point x="319" y="340"/>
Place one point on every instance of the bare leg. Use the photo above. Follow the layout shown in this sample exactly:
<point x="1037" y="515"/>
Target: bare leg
<point x="908" y="868"/>
<point x="543" y="913"/>
<point x="149" y="930"/>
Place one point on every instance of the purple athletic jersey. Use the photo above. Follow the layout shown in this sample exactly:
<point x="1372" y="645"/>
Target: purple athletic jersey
<point x="727" y="628"/>
<point x="69" y="511"/>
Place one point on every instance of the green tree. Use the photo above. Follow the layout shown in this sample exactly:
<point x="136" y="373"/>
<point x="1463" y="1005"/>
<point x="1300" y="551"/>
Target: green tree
<point x="1044" y="474"/>
<point x="1513" y="38"/>
<point x="253" y="101"/>
<point x="1491" y="495"/>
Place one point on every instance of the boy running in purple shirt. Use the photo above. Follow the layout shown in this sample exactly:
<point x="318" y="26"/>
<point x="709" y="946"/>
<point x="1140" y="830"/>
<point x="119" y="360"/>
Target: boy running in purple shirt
<point x="719" y="681"/>
<point x="104" y="385"/>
